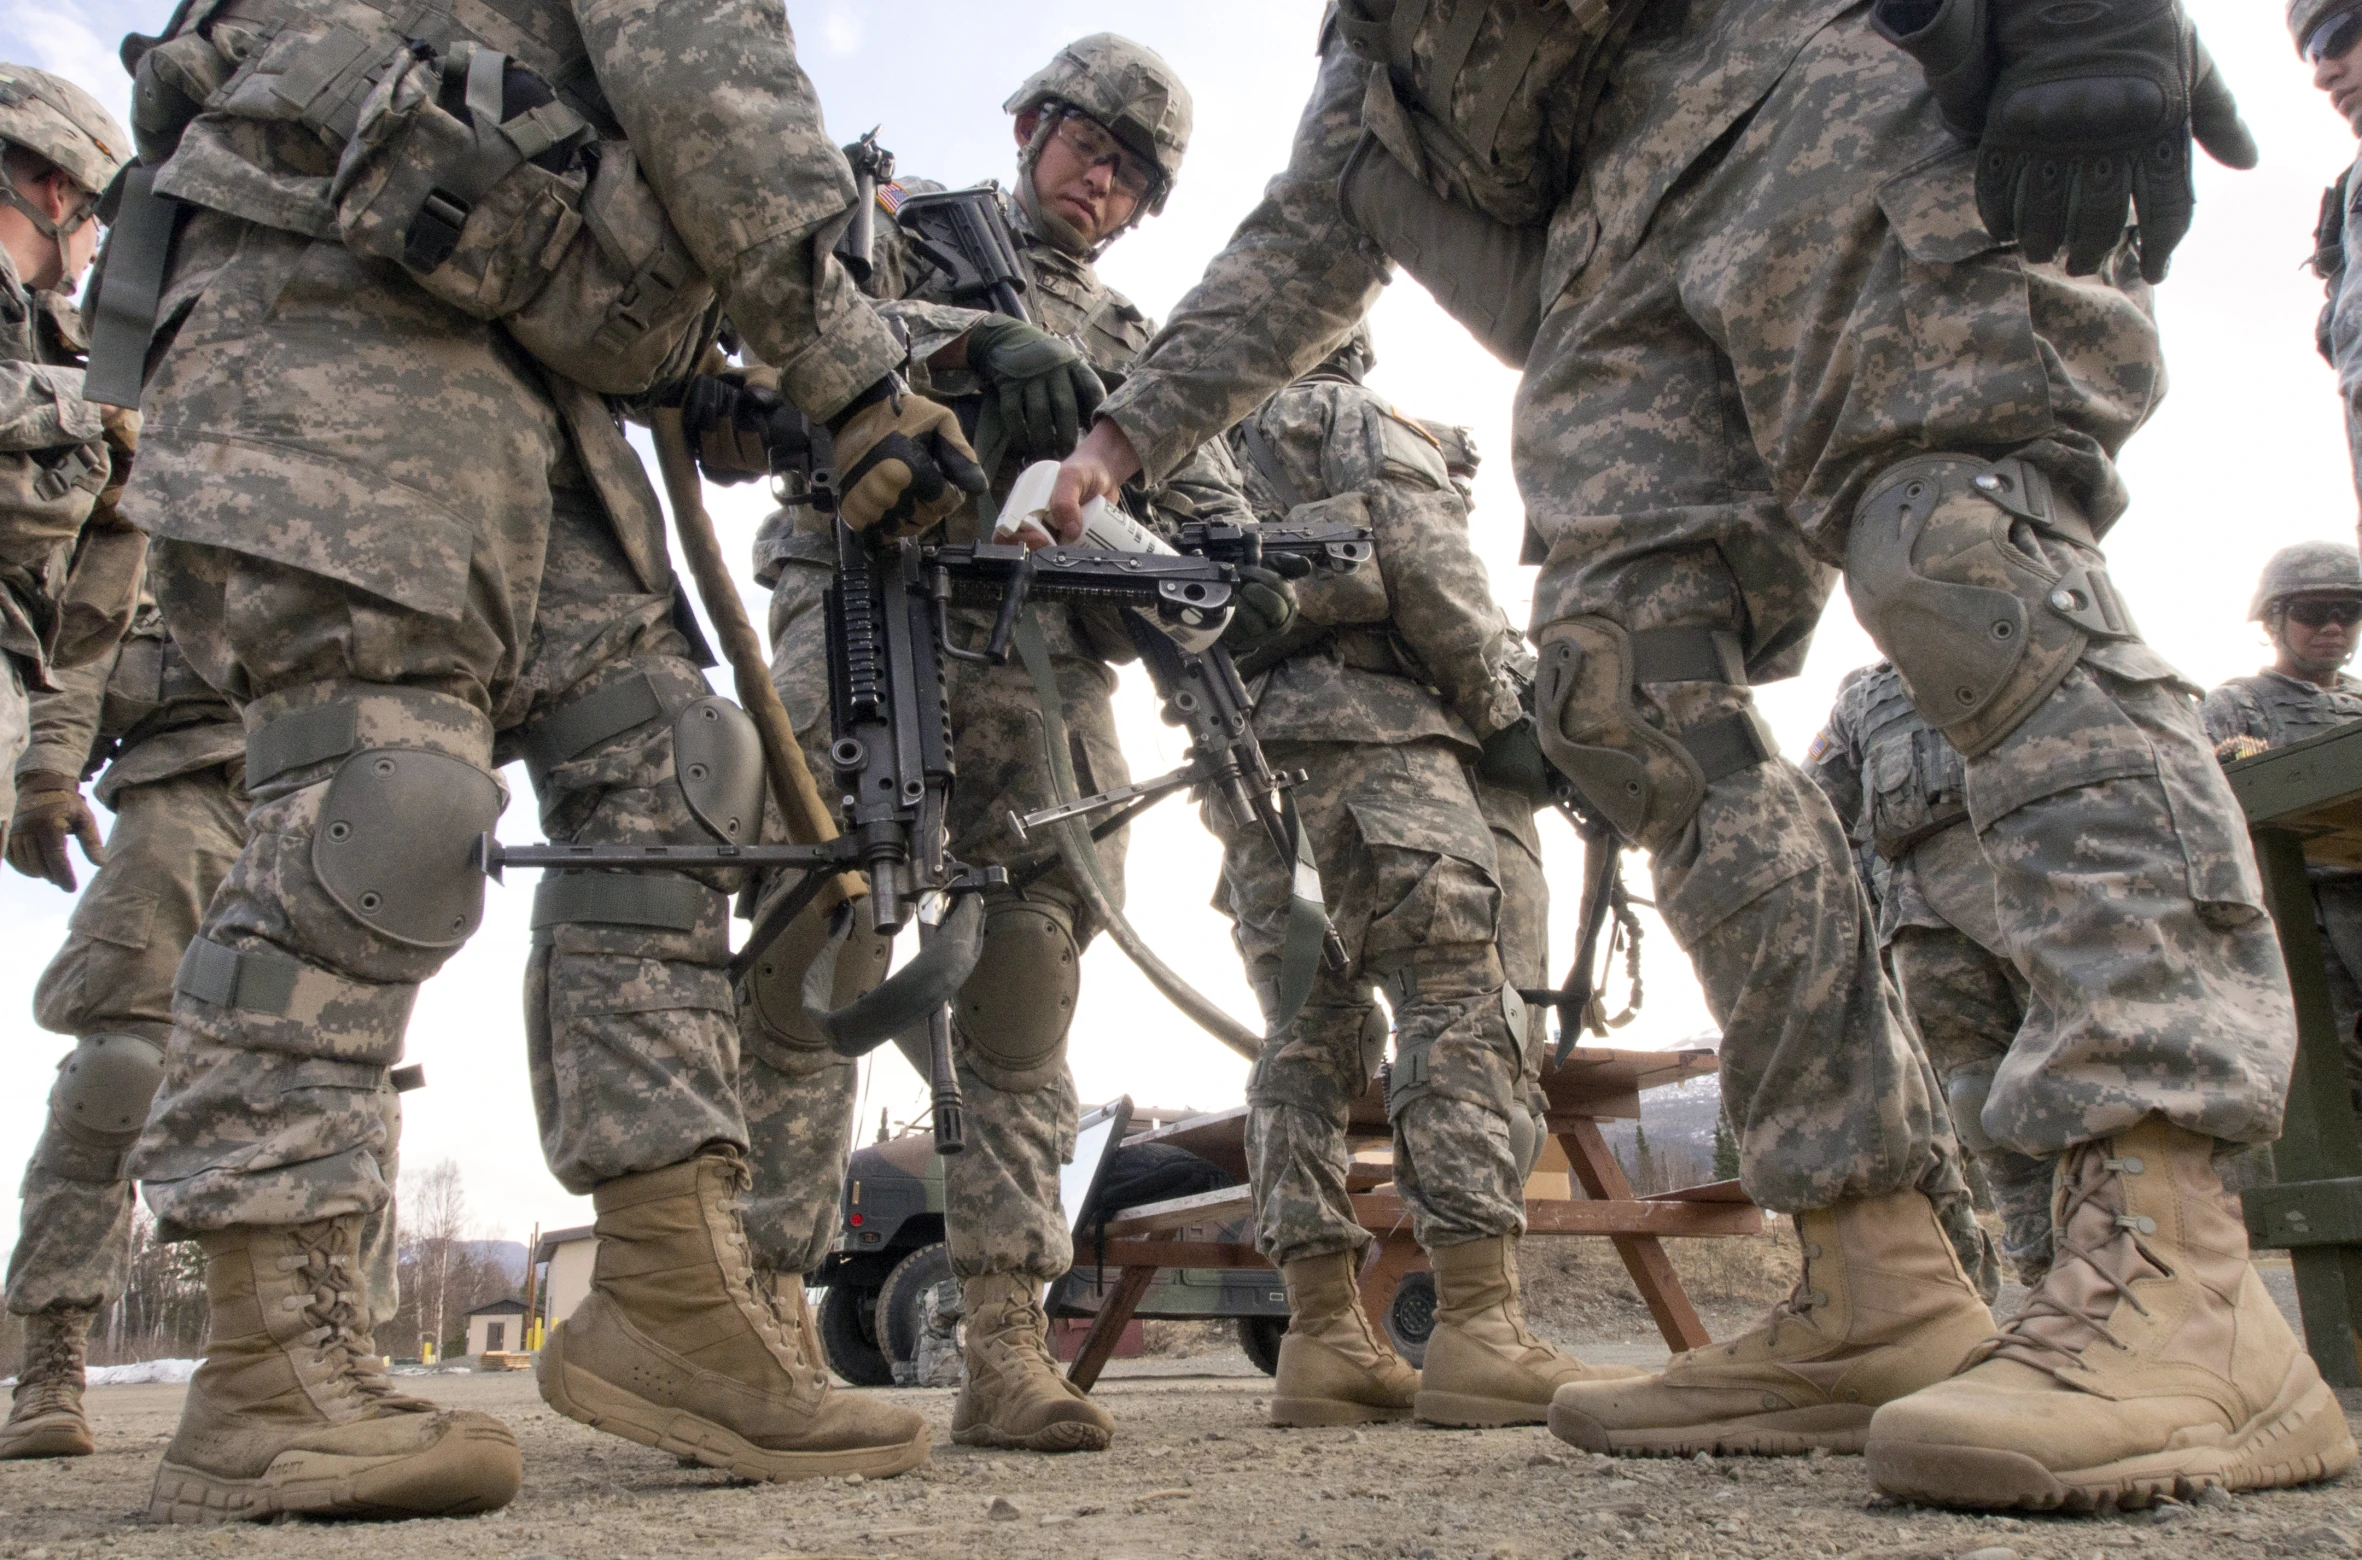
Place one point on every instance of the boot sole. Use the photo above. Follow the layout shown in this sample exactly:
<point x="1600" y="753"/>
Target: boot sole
<point x="1462" y="1411"/>
<point x="2301" y="1437"/>
<point x="480" y="1460"/>
<point x="1794" y="1432"/>
<point x="1066" y="1436"/>
<point x="602" y="1405"/>
<point x="36" y="1441"/>
<point x="1311" y="1413"/>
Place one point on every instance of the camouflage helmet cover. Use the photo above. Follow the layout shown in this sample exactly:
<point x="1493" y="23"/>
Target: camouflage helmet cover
<point x="2306" y="569"/>
<point x="1125" y="86"/>
<point x="52" y="118"/>
<point x="2305" y="15"/>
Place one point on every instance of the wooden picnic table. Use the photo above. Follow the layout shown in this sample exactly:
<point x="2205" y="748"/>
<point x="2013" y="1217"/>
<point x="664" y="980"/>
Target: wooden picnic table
<point x="1596" y="1084"/>
<point x="2304" y="808"/>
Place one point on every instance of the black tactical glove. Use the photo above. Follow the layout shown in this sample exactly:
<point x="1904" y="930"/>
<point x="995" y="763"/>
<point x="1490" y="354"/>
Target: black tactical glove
<point x="49" y="811"/>
<point x="1513" y="761"/>
<point x="1264" y="604"/>
<point x="2087" y="122"/>
<point x="734" y="421"/>
<point x="902" y="462"/>
<point x="1047" y="392"/>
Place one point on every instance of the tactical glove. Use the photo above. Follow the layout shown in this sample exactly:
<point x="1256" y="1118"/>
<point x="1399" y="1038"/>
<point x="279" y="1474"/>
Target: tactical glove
<point x="734" y="421"/>
<point x="902" y="462"/>
<point x="2087" y="123"/>
<point x="1263" y="606"/>
<point x="49" y="808"/>
<point x="1513" y="761"/>
<point x="1047" y="392"/>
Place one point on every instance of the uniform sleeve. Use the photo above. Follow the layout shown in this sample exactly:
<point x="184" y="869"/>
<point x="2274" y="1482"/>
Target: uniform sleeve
<point x="2229" y="715"/>
<point x="41" y="408"/>
<point x="65" y="719"/>
<point x="1294" y="279"/>
<point x="727" y="128"/>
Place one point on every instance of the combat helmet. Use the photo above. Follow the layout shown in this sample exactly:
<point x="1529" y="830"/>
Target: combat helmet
<point x="1127" y="87"/>
<point x="65" y="126"/>
<point x="2307" y="569"/>
<point x="2305" y="15"/>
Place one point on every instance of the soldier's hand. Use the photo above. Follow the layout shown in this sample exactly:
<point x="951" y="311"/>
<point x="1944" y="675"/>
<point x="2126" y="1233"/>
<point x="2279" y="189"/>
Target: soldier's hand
<point x="1098" y="468"/>
<point x="1263" y="607"/>
<point x="902" y="462"/>
<point x="2092" y="115"/>
<point x="49" y="811"/>
<point x="734" y="421"/>
<point x="1513" y="760"/>
<point x="1047" y="393"/>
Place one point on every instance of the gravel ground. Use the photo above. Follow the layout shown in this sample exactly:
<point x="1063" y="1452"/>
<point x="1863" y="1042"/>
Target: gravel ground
<point x="1193" y="1473"/>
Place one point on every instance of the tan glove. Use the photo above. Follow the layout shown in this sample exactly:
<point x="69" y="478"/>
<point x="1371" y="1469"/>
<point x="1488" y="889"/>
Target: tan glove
<point x="49" y="809"/>
<point x="902" y="462"/>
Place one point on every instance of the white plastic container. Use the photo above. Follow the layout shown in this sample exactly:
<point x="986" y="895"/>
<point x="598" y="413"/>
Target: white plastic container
<point x="1108" y="529"/>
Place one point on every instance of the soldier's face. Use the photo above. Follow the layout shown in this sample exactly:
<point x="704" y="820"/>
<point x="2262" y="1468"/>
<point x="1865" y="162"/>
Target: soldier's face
<point x="1088" y="193"/>
<point x="2335" y="50"/>
<point x="2321" y="646"/>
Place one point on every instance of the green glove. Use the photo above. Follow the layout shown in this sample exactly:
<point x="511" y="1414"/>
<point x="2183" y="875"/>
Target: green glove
<point x="1513" y="761"/>
<point x="1047" y="392"/>
<point x="1263" y="607"/>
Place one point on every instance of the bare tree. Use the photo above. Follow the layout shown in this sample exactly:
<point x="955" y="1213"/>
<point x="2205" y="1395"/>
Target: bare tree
<point x="435" y="1221"/>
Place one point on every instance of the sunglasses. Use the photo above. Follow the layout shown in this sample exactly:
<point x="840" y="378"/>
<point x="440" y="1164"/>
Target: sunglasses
<point x="2320" y="614"/>
<point x="2334" y="37"/>
<point x="1090" y="141"/>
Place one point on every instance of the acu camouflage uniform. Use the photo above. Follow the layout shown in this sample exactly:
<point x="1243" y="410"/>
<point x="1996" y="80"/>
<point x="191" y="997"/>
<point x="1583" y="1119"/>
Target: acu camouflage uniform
<point x="1901" y="789"/>
<point x="383" y="529"/>
<point x="54" y="462"/>
<point x="1002" y="1194"/>
<point x="1396" y="678"/>
<point x="173" y="756"/>
<point x="2276" y="709"/>
<point x="1767" y="289"/>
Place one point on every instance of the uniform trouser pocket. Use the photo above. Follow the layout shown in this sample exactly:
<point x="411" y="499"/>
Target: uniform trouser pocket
<point x="2130" y="902"/>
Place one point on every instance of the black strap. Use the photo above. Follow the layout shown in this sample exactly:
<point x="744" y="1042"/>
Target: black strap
<point x="579" y="726"/>
<point x="1666" y="655"/>
<point x="129" y="288"/>
<point x="1726" y="746"/>
<point x="1265" y="460"/>
<point x="305" y="737"/>
<point x="658" y="899"/>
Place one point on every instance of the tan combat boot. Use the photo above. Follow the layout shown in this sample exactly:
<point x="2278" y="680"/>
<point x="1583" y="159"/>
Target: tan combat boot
<point x="1334" y="1367"/>
<point x="675" y="1347"/>
<point x="1482" y="1366"/>
<point x="2150" y="1362"/>
<point x="1013" y="1393"/>
<point x="291" y="1411"/>
<point x="45" y="1417"/>
<point x="795" y="1315"/>
<point x="1882" y="1309"/>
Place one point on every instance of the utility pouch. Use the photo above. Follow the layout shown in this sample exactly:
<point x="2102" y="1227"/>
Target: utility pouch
<point x="478" y="205"/>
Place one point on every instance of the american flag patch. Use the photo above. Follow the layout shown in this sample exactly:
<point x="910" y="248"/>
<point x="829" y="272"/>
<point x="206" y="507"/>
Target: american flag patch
<point x="1819" y="749"/>
<point x="891" y="197"/>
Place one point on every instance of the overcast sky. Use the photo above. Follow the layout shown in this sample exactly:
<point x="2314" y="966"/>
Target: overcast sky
<point x="2245" y="456"/>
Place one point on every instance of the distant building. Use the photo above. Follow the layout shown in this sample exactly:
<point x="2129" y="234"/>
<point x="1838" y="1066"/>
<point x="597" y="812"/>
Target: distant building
<point x="496" y="1328"/>
<point x="564" y="1261"/>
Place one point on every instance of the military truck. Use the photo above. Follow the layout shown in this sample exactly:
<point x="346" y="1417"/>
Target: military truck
<point x="889" y="1313"/>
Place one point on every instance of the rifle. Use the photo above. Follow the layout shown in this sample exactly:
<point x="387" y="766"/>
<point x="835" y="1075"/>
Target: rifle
<point x="964" y="234"/>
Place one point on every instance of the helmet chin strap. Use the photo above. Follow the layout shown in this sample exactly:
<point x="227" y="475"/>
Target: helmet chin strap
<point x="58" y="232"/>
<point x="1061" y="233"/>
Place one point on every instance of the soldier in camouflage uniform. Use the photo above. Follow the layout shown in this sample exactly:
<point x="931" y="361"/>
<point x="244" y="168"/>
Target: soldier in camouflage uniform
<point x="172" y="752"/>
<point x="1100" y="132"/>
<point x="2328" y="36"/>
<point x="2309" y="602"/>
<point x="58" y="149"/>
<point x="1772" y="324"/>
<point x="1386" y="693"/>
<point x="397" y="522"/>
<point x="1901" y="790"/>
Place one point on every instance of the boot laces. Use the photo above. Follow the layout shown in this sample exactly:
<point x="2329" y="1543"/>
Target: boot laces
<point x="50" y="1380"/>
<point x="2052" y="1331"/>
<point x="339" y="1333"/>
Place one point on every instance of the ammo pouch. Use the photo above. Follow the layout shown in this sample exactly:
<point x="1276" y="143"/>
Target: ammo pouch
<point x="1917" y="788"/>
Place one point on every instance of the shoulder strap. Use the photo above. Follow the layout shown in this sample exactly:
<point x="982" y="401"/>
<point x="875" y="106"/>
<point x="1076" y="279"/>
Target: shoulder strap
<point x="1265" y="460"/>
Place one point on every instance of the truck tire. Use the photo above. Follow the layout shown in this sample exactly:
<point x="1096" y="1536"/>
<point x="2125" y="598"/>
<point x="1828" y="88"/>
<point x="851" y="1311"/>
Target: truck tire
<point x="848" y="1336"/>
<point x="1410" y="1317"/>
<point x="918" y="1312"/>
<point x="1259" y="1336"/>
